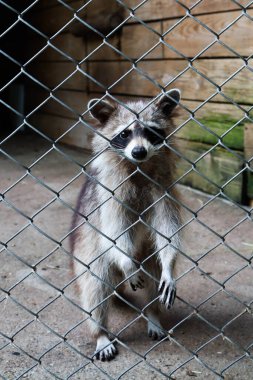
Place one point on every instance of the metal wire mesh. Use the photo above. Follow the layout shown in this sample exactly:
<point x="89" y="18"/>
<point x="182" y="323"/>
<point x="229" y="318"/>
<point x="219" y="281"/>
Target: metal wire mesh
<point x="32" y="320"/>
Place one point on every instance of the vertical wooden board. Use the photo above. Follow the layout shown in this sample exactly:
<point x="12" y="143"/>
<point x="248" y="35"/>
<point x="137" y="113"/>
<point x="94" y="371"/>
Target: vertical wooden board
<point x="248" y="152"/>
<point x="190" y="30"/>
<point x="249" y="190"/>
<point x="248" y="142"/>
<point x="136" y="40"/>
<point x="217" y="167"/>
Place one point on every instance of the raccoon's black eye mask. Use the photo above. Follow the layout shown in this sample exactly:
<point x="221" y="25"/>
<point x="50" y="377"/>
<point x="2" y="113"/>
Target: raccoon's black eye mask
<point x="154" y="135"/>
<point x="121" y="140"/>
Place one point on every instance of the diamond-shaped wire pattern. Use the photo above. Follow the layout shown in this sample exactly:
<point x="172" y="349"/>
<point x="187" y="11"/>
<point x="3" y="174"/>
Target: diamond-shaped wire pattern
<point x="55" y="56"/>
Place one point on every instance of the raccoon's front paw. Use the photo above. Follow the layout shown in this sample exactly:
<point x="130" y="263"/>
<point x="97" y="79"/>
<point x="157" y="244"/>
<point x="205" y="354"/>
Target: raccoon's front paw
<point x="136" y="281"/>
<point x="167" y="291"/>
<point x="105" y="350"/>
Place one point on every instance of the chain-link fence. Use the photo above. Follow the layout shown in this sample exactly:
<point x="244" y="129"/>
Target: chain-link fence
<point x="58" y="55"/>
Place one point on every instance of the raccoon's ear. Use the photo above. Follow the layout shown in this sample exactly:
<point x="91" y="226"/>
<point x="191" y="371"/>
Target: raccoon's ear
<point x="101" y="109"/>
<point x="168" y="102"/>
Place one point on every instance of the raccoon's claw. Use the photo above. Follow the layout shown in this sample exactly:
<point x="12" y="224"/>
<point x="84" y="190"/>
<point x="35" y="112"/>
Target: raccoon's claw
<point x="155" y="331"/>
<point x="136" y="281"/>
<point x="167" y="292"/>
<point x="107" y="353"/>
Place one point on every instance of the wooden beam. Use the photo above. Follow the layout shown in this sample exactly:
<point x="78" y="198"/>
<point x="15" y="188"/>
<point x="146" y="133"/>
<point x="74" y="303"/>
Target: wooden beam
<point x="137" y="40"/>
<point x="53" y="73"/>
<point x="248" y="152"/>
<point x="218" y="166"/>
<point x="161" y="9"/>
<point x="101" y="15"/>
<point x="190" y="37"/>
<point x="55" y="126"/>
<point x="51" y="19"/>
<point x="68" y="43"/>
<point x="193" y="85"/>
<point x="75" y="100"/>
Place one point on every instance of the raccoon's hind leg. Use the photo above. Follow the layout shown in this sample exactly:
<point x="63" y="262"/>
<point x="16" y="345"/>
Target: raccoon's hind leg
<point x="94" y="293"/>
<point x="155" y="328"/>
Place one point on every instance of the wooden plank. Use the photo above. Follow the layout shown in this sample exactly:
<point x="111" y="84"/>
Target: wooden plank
<point x="53" y="73"/>
<point x="248" y="145"/>
<point x="219" y="166"/>
<point x="248" y="152"/>
<point x="218" y="124"/>
<point x="193" y="85"/>
<point x="51" y="20"/>
<point x="99" y="14"/>
<point x="102" y="15"/>
<point x="218" y="118"/>
<point x="162" y="9"/>
<point x="68" y="44"/>
<point x="236" y="36"/>
<point x="76" y="100"/>
<point x="54" y="126"/>
<point x="101" y="51"/>
<point x="136" y="40"/>
<point x="45" y="4"/>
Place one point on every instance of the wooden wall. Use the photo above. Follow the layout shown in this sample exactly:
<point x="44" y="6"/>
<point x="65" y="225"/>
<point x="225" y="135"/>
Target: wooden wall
<point x="179" y="59"/>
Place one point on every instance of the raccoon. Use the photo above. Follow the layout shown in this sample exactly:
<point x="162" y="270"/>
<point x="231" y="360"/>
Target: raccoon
<point x="127" y="217"/>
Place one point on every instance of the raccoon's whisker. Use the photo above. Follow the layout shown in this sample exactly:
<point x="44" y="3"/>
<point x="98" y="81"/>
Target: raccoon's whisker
<point x="115" y="147"/>
<point x="119" y="162"/>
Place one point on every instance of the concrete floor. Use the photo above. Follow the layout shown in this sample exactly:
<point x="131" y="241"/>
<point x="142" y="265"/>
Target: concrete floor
<point x="211" y="326"/>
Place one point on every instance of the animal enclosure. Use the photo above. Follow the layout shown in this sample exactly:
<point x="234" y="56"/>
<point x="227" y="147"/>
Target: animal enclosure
<point x="56" y="55"/>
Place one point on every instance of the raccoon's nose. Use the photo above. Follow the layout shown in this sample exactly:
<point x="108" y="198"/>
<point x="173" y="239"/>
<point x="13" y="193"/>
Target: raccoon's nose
<point x="139" y="152"/>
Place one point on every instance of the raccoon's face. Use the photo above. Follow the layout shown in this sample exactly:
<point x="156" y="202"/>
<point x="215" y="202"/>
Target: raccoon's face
<point x="138" y="130"/>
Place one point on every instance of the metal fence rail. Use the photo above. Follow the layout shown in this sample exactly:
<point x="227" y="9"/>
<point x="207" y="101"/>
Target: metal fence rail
<point x="8" y="295"/>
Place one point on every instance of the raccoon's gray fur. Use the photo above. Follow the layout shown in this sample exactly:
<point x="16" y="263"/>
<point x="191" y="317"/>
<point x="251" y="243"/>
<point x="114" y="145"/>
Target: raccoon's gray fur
<point x="131" y="223"/>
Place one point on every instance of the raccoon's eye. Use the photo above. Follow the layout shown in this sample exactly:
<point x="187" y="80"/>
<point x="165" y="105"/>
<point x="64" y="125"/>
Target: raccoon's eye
<point x="125" y="134"/>
<point x="154" y="135"/>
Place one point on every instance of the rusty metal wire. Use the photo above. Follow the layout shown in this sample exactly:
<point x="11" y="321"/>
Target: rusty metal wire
<point x="8" y="294"/>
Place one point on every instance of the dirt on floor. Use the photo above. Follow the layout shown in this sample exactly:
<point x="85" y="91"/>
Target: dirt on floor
<point x="43" y="333"/>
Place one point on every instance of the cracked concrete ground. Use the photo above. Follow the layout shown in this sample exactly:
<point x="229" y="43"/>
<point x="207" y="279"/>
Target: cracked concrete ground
<point x="211" y="326"/>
